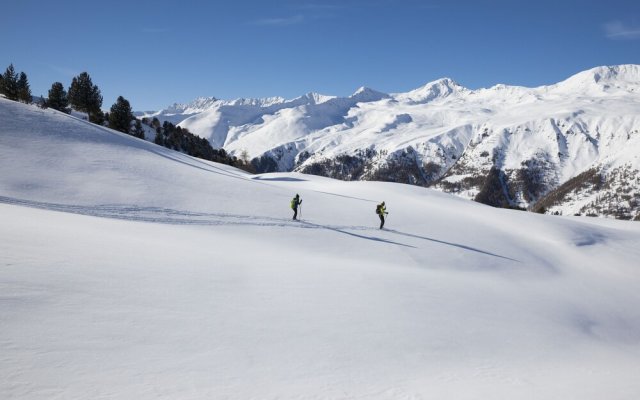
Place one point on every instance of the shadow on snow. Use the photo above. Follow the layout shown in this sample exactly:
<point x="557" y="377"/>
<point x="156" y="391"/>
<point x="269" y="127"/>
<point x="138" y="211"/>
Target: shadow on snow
<point x="178" y="217"/>
<point x="461" y="246"/>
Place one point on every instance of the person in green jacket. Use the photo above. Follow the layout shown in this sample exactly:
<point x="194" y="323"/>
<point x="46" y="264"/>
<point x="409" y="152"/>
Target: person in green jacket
<point x="295" y="202"/>
<point x="381" y="210"/>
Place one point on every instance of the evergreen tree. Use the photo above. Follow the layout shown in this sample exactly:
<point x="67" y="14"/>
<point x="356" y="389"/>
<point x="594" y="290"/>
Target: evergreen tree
<point x="137" y="130"/>
<point x="155" y="123"/>
<point x="159" y="139"/>
<point x="44" y="104"/>
<point x="180" y="139"/>
<point x="58" y="98"/>
<point x="10" y="83"/>
<point x="24" y="91"/>
<point x="99" y="118"/>
<point x="1" y="84"/>
<point x="121" y="115"/>
<point x="86" y="97"/>
<point x="244" y="157"/>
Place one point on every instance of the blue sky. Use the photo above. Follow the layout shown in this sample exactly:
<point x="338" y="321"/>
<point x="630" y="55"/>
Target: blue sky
<point x="158" y="52"/>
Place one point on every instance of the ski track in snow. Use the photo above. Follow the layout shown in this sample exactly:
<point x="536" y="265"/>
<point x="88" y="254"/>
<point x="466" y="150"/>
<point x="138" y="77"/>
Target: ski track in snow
<point x="159" y="214"/>
<point x="181" y="217"/>
<point x="169" y="216"/>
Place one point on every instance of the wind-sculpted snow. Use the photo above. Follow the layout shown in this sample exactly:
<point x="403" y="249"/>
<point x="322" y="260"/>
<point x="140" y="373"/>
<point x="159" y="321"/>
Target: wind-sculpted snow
<point x="128" y="271"/>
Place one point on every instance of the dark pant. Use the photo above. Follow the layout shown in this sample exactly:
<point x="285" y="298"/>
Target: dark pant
<point x="381" y="220"/>
<point x="295" y="212"/>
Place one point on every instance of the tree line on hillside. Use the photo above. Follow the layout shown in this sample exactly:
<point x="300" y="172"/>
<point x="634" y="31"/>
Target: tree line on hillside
<point x="180" y="139"/>
<point x="15" y="86"/>
<point x="84" y="96"/>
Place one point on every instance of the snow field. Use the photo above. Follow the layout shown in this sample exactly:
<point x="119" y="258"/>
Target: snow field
<point x="131" y="271"/>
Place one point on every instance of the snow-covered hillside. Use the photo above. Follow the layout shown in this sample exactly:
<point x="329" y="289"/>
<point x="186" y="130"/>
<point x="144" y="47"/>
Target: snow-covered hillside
<point x="129" y="271"/>
<point x="512" y="145"/>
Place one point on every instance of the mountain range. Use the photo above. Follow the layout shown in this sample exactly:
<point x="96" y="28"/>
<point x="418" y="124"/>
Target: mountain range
<point x="567" y="148"/>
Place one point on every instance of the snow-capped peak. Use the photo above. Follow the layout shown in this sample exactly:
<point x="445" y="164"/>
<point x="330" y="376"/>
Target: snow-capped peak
<point x="313" y="98"/>
<point x="259" y="102"/>
<point x="603" y="79"/>
<point x="200" y="104"/>
<point x="365" y="94"/>
<point x="437" y="89"/>
<point x="629" y="73"/>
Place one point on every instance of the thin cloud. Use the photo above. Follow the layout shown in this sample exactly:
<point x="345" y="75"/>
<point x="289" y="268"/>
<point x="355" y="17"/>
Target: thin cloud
<point x="406" y="4"/>
<point x="319" y="6"/>
<point x="285" y="21"/>
<point x="621" y="30"/>
<point x="65" y="71"/>
<point x="319" y="11"/>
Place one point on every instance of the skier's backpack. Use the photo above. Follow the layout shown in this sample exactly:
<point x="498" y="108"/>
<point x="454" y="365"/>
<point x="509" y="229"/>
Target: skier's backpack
<point x="378" y="209"/>
<point x="293" y="203"/>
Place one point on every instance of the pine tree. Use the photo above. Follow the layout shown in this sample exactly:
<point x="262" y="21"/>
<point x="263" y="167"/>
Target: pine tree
<point x="10" y="83"/>
<point x="44" y="104"/>
<point x="98" y="117"/>
<point x="24" y="91"/>
<point x="121" y="115"/>
<point x="244" y="157"/>
<point x="159" y="139"/>
<point x="155" y="123"/>
<point x="86" y="97"/>
<point x="137" y="130"/>
<point x="58" y="98"/>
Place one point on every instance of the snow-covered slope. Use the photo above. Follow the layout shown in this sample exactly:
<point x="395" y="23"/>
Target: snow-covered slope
<point x="535" y="139"/>
<point x="131" y="271"/>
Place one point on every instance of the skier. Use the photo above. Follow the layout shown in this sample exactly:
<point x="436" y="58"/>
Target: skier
<point x="381" y="210"/>
<point x="295" y="202"/>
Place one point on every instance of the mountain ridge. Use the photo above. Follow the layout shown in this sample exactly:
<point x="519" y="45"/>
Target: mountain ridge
<point x="631" y="73"/>
<point x="444" y="135"/>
